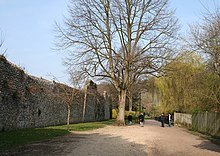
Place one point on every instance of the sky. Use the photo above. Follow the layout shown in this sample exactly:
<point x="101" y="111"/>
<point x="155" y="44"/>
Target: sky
<point x="27" y="28"/>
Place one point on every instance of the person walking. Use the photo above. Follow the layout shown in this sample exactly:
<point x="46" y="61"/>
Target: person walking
<point x="162" y="117"/>
<point x="169" y="120"/>
<point x="141" y="119"/>
<point x="129" y="119"/>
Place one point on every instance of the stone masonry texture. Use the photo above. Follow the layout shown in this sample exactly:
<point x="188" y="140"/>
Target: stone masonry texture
<point x="29" y="102"/>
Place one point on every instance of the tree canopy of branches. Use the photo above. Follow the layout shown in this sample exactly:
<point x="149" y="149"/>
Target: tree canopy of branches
<point x="120" y="41"/>
<point x="206" y="39"/>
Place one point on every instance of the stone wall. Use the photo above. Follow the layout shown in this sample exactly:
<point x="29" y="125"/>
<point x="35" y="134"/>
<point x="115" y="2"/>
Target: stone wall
<point x="27" y="101"/>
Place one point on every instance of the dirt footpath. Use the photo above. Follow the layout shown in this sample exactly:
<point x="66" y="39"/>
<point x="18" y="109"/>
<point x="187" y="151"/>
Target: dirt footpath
<point x="150" y="140"/>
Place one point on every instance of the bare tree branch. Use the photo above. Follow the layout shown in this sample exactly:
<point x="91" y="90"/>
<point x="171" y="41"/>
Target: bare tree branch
<point x="206" y="39"/>
<point x="118" y="40"/>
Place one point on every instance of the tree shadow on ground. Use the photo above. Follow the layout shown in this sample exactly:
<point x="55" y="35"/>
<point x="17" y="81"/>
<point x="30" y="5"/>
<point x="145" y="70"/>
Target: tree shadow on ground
<point x="208" y="146"/>
<point x="80" y="144"/>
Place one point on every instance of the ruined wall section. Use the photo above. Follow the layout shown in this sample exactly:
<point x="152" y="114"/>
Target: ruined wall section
<point x="95" y="103"/>
<point x="27" y="101"/>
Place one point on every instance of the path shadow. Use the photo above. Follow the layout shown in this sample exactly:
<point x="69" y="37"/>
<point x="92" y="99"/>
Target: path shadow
<point x="208" y="146"/>
<point x="95" y="143"/>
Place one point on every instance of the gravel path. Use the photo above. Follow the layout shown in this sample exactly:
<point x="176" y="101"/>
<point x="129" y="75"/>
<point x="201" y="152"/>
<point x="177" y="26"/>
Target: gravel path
<point x="150" y="140"/>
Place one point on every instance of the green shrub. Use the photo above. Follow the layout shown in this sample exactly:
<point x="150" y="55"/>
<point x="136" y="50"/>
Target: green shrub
<point x="133" y="113"/>
<point x="114" y="113"/>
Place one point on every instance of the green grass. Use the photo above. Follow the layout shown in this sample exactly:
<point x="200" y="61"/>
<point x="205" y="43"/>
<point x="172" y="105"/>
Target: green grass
<point x="85" y="126"/>
<point x="148" y="117"/>
<point x="13" y="139"/>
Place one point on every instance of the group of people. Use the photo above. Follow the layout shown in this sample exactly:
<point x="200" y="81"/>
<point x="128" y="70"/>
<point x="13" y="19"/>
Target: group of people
<point x="142" y="115"/>
<point x="162" y="118"/>
<point x="140" y="119"/>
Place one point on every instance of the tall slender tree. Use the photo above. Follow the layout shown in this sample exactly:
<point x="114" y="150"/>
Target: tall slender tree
<point x="118" y="40"/>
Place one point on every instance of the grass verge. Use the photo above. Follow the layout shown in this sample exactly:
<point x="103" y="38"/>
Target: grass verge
<point x="84" y="126"/>
<point x="14" y="139"/>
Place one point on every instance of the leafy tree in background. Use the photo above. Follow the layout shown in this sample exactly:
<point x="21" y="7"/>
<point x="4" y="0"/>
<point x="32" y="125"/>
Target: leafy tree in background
<point x="119" y="41"/>
<point x="188" y="86"/>
<point x="208" y="92"/>
<point x="179" y="86"/>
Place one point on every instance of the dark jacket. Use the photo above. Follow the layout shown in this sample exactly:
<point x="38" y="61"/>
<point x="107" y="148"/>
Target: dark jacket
<point x="129" y="117"/>
<point x="141" y="118"/>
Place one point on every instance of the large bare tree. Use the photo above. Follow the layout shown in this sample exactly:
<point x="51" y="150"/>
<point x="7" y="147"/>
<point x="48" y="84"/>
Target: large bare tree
<point x="117" y="40"/>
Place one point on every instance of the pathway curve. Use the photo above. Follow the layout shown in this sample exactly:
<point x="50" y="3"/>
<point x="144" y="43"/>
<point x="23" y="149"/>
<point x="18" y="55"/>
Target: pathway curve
<point x="150" y="140"/>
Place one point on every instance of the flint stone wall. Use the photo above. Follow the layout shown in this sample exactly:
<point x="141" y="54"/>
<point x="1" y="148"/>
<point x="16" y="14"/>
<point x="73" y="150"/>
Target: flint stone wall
<point x="28" y="102"/>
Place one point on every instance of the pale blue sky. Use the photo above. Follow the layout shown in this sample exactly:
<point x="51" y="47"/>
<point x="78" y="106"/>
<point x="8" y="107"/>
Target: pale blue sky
<point x="28" y="29"/>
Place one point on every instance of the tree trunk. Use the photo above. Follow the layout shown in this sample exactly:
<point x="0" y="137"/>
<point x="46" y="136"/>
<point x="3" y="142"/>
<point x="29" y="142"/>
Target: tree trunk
<point x="84" y="106"/>
<point x="68" y="117"/>
<point x="121" y="108"/>
<point x="130" y="95"/>
<point x="130" y="103"/>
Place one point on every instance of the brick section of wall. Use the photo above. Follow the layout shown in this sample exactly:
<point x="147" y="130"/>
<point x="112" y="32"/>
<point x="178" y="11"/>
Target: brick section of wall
<point x="27" y="101"/>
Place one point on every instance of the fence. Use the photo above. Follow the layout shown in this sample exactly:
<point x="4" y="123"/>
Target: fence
<point x="183" y="119"/>
<point x="205" y="122"/>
